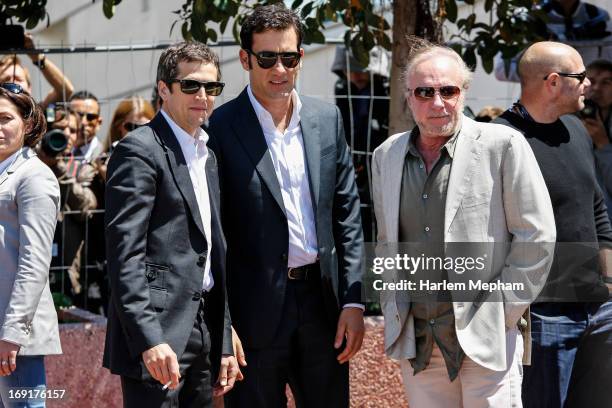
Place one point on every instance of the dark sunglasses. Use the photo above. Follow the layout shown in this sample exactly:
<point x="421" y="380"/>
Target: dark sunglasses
<point x="89" y="116"/>
<point x="129" y="126"/>
<point x="12" y="87"/>
<point x="267" y="59"/>
<point x="580" y="77"/>
<point x="424" y="93"/>
<point x="191" y="86"/>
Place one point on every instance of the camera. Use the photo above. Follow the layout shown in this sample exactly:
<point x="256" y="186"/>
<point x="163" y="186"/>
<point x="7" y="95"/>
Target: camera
<point x="11" y="36"/>
<point x="590" y="109"/>
<point x="54" y="143"/>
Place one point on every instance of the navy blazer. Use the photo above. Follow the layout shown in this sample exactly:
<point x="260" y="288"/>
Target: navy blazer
<point x="255" y="223"/>
<point x="157" y="252"/>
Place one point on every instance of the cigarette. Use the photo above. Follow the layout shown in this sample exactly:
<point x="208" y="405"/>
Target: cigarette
<point x="165" y="387"/>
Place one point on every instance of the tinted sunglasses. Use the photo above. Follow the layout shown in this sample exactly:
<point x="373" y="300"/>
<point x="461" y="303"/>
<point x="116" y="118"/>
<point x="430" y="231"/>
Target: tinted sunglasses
<point x="580" y="77"/>
<point x="89" y="116"/>
<point x="267" y="59"/>
<point x="12" y="87"/>
<point x="424" y="93"/>
<point x="191" y="86"/>
<point x="129" y="126"/>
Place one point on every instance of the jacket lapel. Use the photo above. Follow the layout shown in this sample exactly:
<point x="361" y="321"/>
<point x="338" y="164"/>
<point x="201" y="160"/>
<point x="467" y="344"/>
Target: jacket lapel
<point x="467" y="153"/>
<point x="178" y="166"/>
<point x="21" y="158"/>
<point x="249" y="133"/>
<point x="393" y="177"/>
<point x="312" y="150"/>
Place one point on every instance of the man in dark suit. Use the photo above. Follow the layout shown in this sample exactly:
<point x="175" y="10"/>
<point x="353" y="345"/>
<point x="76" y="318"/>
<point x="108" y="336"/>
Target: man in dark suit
<point x="291" y="216"/>
<point x="169" y="330"/>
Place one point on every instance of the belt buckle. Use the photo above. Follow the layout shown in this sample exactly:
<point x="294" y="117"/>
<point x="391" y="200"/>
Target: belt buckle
<point x="290" y="273"/>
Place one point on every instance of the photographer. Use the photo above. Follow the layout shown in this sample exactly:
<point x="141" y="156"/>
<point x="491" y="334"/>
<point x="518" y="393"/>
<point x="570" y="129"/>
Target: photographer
<point x="596" y="117"/>
<point x="74" y="178"/>
<point x="13" y="70"/>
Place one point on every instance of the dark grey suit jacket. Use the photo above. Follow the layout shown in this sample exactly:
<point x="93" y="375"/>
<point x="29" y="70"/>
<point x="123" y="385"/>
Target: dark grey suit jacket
<point x="255" y="222"/>
<point x="157" y="251"/>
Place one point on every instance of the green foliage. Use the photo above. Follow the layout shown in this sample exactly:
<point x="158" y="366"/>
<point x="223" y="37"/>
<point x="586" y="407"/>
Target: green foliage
<point x="28" y="12"/>
<point x="511" y="26"/>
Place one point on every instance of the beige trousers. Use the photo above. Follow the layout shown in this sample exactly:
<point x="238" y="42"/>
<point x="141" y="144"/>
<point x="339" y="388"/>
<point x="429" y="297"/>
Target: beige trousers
<point x="474" y="387"/>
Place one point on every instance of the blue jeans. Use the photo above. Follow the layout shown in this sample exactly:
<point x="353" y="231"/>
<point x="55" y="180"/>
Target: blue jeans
<point x="30" y="373"/>
<point x="562" y="337"/>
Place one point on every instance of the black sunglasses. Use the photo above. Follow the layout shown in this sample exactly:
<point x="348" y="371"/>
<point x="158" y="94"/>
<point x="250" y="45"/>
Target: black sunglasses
<point x="12" y="87"/>
<point x="580" y="77"/>
<point x="89" y="116"/>
<point x="129" y="126"/>
<point x="191" y="86"/>
<point x="424" y="93"/>
<point x="267" y="59"/>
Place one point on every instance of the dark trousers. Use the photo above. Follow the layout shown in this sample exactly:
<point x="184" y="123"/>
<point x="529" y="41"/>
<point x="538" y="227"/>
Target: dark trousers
<point x="569" y="341"/>
<point x="302" y="355"/>
<point x="195" y="386"/>
<point x="591" y="381"/>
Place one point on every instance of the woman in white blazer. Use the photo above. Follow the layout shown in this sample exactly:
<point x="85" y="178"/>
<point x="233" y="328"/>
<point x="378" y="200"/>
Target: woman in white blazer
<point x="29" y="204"/>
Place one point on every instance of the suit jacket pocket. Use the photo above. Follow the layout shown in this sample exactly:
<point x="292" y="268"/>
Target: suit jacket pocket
<point x="158" y="298"/>
<point x="156" y="275"/>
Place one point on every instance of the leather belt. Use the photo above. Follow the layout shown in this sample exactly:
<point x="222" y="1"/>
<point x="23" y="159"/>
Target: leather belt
<point x="305" y="272"/>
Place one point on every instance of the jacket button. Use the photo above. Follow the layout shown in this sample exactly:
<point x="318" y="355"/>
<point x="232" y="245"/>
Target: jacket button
<point x="284" y="257"/>
<point x="197" y="295"/>
<point x="201" y="261"/>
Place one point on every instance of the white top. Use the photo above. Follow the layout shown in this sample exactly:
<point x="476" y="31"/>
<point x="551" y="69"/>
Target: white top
<point x="287" y="152"/>
<point x="196" y="154"/>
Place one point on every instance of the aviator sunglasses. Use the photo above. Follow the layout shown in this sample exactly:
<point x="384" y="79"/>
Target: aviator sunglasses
<point x="267" y="59"/>
<point x="12" y="87"/>
<point x="424" y="93"/>
<point x="191" y="86"/>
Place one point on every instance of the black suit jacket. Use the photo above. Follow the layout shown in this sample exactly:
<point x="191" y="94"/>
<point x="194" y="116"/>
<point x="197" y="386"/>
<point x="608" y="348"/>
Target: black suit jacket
<point x="157" y="251"/>
<point x="255" y="222"/>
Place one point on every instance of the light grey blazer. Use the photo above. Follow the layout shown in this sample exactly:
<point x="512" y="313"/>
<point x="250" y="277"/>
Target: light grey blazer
<point x="29" y="205"/>
<point x="496" y="193"/>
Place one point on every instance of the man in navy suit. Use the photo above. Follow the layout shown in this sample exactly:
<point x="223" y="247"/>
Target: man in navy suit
<point x="291" y="215"/>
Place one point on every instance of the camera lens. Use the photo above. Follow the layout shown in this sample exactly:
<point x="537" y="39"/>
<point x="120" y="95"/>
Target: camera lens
<point x="54" y="142"/>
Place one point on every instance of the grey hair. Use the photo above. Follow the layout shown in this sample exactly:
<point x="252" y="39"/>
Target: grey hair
<point x="421" y="49"/>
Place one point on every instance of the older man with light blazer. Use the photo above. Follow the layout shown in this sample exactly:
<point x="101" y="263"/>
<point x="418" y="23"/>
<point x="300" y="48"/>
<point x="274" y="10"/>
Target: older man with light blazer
<point x="452" y="180"/>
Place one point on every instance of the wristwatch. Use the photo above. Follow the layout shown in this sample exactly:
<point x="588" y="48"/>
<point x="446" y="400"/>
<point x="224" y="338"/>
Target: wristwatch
<point x="41" y="62"/>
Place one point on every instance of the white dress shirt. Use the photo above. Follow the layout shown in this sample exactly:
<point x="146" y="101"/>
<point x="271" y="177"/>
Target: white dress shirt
<point x="196" y="154"/>
<point x="287" y="152"/>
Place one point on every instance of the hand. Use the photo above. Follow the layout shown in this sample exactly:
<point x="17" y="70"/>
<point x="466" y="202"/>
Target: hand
<point x="597" y="131"/>
<point x="85" y="174"/>
<point x="239" y="353"/>
<point x="28" y="44"/>
<point x="350" y="325"/>
<point x="162" y="364"/>
<point x="8" y="357"/>
<point x="228" y="374"/>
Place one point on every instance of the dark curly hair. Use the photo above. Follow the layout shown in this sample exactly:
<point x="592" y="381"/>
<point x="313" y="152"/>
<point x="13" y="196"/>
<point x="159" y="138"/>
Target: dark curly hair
<point x="271" y="17"/>
<point x="167" y="68"/>
<point x="32" y="115"/>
